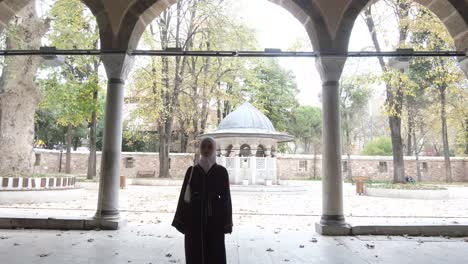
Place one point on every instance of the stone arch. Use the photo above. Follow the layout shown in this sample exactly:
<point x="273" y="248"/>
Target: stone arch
<point x="260" y="151"/>
<point x="141" y="13"/>
<point x="245" y="150"/>
<point x="452" y="13"/>
<point x="228" y="150"/>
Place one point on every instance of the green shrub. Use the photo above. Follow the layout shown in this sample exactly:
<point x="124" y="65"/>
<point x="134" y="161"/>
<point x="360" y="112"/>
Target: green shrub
<point x="379" y="146"/>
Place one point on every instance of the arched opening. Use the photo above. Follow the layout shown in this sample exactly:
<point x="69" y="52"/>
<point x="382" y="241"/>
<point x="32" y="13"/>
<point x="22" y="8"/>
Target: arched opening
<point x="229" y="151"/>
<point x="141" y="15"/>
<point x="245" y="150"/>
<point x="260" y="151"/>
<point x="49" y="105"/>
<point x="407" y="84"/>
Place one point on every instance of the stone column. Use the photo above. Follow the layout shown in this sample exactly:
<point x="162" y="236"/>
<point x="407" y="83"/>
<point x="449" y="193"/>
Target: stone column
<point x="222" y="155"/>
<point x="332" y="221"/>
<point x="117" y="68"/>
<point x="235" y="153"/>
<point x="267" y="152"/>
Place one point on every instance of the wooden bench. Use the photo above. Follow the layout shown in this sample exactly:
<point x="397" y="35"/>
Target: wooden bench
<point x="360" y="184"/>
<point x="146" y="174"/>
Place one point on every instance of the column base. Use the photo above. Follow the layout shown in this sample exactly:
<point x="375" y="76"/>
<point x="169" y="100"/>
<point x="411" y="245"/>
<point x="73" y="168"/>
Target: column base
<point x="107" y="215"/>
<point x="110" y="224"/>
<point x="109" y="220"/>
<point x="333" y="225"/>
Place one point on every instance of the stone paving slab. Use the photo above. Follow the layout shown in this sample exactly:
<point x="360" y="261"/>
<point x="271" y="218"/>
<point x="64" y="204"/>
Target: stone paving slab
<point x="149" y="238"/>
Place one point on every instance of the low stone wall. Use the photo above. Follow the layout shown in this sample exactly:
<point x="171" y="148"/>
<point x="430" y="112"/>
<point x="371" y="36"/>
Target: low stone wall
<point x="288" y="166"/>
<point x="377" y="168"/>
<point x="408" y="194"/>
<point x="34" y="184"/>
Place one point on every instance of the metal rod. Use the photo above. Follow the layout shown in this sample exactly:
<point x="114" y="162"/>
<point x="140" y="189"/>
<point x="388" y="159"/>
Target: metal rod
<point x="286" y="54"/>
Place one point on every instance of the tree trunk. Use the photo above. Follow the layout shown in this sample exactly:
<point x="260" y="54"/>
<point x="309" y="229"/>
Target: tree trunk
<point x="92" y="143"/>
<point x="443" y="119"/>
<point x="397" y="145"/>
<point x="409" y="132"/>
<point x="349" y="172"/>
<point x="164" y="150"/>
<point x="183" y="142"/>
<point x="348" y="145"/>
<point x="69" y="148"/>
<point x="19" y="96"/>
<point x="416" y="156"/>
<point x="171" y="96"/>
<point x="92" y="159"/>
<point x="394" y="99"/>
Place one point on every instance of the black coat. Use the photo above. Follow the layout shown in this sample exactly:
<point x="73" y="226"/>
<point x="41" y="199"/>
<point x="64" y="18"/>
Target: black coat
<point x="207" y="217"/>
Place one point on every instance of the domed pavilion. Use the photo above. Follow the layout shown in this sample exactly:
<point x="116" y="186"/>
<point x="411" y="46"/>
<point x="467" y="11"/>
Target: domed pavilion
<point x="247" y="143"/>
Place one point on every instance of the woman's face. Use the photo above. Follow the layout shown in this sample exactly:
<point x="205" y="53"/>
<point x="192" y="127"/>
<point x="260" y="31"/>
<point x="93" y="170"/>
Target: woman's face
<point x="206" y="148"/>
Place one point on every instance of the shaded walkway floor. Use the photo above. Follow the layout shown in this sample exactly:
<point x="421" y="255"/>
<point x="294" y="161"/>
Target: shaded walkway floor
<point x="270" y="227"/>
<point x="148" y="238"/>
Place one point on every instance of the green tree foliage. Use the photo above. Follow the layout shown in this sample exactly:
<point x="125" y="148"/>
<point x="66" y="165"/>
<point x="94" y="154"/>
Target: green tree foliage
<point x="72" y="92"/>
<point x="379" y="146"/>
<point x="273" y="91"/>
<point x="355" y="94"/>
<point x="48" y="132"/>
<point x="70" y="102"/>
<point x="354" y="99"/>
<point x="429" y="92"/>
<point x="435" y="81"/>
<point x="306" y="126"/>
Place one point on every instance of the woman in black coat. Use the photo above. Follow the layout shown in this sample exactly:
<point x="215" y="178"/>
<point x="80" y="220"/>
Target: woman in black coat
<point x="204" y="210"/>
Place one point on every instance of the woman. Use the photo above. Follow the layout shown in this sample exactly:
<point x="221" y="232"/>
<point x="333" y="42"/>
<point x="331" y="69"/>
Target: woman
<point x="204" y="211"/>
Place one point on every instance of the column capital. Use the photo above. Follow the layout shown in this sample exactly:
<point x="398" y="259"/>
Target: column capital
<point x="117" y="66"/>
<point x="330" y="68"/>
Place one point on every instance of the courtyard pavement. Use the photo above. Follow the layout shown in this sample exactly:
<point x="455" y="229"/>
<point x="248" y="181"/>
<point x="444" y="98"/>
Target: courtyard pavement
<point x="271" y="226"/>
